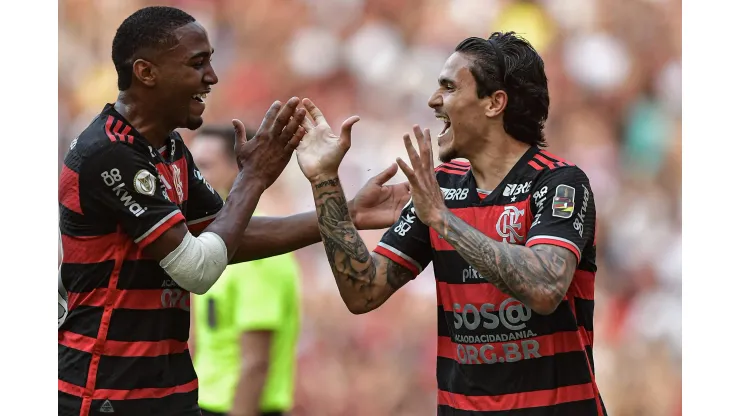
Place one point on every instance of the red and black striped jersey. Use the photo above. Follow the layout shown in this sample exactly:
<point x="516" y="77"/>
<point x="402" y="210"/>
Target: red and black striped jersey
<point x="123" y="345"/>
<point x="496" y="356"/>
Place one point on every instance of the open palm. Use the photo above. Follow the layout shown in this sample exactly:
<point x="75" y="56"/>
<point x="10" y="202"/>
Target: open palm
<point x="321" y="151"/>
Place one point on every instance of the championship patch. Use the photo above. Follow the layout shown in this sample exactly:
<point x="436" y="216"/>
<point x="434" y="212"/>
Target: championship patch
<point x="144" y="182"/>
<point x="563" y="202"/>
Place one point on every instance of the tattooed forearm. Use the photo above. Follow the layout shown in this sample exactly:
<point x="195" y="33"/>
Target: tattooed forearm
<point x="538" y="276"/>
<point x="329" y="182"/>
<point x="349" y="258"/>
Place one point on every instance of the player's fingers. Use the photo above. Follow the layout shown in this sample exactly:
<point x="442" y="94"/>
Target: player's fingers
<point x="385" y="175"/>
<point x="284" y="115"/>
<point x="292" y="127"/>
<point x="240" y="133"/>
<point x="345" y="137"/>
<point x="413" y="156"/>
<point x="423" y="148"/>
<point x="406" y="170"/>
<point x="430" y="151"/>
<point x="314" y="111"/>
<point x="270" y="116"/>
<point x="296" y="140"/>
<point x="307" y="124"/>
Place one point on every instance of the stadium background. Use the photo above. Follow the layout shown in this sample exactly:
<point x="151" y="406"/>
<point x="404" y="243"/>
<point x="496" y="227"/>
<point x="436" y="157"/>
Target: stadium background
<point x="614" y="68"/>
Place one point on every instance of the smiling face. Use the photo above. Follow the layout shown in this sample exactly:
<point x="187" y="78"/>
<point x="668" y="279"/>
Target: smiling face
<point x="457" y="105"/>
<point x="184" y="77"/>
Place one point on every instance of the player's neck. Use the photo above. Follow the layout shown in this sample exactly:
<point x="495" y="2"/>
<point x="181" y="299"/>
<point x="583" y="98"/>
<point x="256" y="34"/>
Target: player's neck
<point x="493" y="162"/>
<point x="143" y="118"/>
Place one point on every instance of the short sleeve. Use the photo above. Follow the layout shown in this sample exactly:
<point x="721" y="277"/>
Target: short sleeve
<point x="204" y="202"/>
<point x="261" y="292"/>
<point x="565" y="213"/>
<point x="121" y="183"/>
<point x="407" y="242"/>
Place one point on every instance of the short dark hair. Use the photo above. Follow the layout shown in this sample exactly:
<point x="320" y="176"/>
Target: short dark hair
<point x="150" y="27"/>
<point x="225" y="133"/>
<point x="506" y="61"/>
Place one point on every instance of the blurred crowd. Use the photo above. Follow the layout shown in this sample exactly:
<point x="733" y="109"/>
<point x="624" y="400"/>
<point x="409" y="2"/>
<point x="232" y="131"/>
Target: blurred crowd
<point x="614" y="70"/>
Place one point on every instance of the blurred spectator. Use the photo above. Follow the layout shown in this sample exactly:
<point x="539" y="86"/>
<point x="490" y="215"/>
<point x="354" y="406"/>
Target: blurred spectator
<point x="614" y="70"/>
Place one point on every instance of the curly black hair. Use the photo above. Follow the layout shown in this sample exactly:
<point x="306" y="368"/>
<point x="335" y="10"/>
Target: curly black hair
<point x="150" y="27"/>
<point x="506" y="61"/>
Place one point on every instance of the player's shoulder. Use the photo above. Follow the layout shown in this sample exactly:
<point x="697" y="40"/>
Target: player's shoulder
<point x="452" y="172"/>
<point x="545" y="166"/>
<point x="107" y="132"/>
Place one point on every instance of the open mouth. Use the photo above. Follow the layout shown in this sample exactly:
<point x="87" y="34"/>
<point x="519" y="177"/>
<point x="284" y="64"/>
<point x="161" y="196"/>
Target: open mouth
<point x="447" y="125"/>
<point x="201" y="98"/>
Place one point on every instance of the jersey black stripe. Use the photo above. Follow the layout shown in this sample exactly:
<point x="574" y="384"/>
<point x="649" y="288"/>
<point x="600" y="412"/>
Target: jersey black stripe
<point x="142" y="274"/>
<point x="585" y="313"/>
<point x="81" y="278"/>
<point x="179" y="404"/>
<point x="149" y="325"/>
<point x="544" y="373"/>
<point x="83" y="320"/>
<point x="76" y="225"/>
<point x="579" y="408"/>
<point x="540" y="325"/>
<point x="144" y="372"/>
<point x="73" y="365"/>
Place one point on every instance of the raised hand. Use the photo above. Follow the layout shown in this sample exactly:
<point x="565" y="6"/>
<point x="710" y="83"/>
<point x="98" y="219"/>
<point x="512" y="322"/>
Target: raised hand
<point x="265" y="156"/>
<point x="428" y="201"/>
<point x="377" y="205"/>
<point x="321" y="151"/>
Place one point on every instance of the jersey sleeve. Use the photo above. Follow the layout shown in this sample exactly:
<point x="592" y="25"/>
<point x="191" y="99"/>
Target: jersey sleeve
<point x="121" y="183"/>
<point x="204" y="202"/>
<point x="261" y="293"/>
<point x="565" y="214"/>
<point x="407" y="242"/>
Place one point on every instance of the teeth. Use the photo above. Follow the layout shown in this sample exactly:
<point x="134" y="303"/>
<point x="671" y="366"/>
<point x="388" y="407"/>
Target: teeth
<point x="443" y="118"/>
<point x="201" y="97"/>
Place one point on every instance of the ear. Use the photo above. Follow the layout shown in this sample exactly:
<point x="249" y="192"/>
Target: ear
<point x="496" y="103"/>
<point x="145" y="72"/>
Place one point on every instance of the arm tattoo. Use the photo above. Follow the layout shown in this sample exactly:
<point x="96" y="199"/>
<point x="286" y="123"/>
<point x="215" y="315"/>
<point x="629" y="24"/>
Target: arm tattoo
<point x="535" y="276"/>
<point x="349" y="258"/>
<point x="397" y="275"/>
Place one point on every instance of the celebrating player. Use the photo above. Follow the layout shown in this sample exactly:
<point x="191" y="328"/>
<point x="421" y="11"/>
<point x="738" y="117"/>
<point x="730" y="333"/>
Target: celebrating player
<point x="511" y="236"/>
<point x="140" y="228"/>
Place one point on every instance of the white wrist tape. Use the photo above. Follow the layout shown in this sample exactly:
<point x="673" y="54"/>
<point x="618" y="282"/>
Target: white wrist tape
<point x="197" y="263"/>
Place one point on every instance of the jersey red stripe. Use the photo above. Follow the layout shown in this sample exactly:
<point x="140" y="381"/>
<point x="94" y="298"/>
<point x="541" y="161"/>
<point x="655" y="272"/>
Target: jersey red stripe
<point x="125" y="136"/>
<point x="121" y="348"/>
<point x="92" y="372"/>
<point x="117" y="129"/>
<point x="108" y="132"/>
<point x="564" y="244"/>
<point x="473" y="293"/>
<point x="516" y="400"/>
<point x="69" y="189"/>
<point x="487" y="220"/>
<point x="512" y="350"/>
<point x="582" y="285"/>
<point x="556" y="158"/>
<point x="70" y="388"/>
<point x="451" y="171"/>
<point x="157" y="232"/>
<point x="544" y="161"/>
<point x="147" y="393"/>
<point x="91" y="249"/>
<point x="397" y="259"/>
<point x="535" y="165"/>
<point x="464" y="165"/>
<point x="132" y="298"/>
